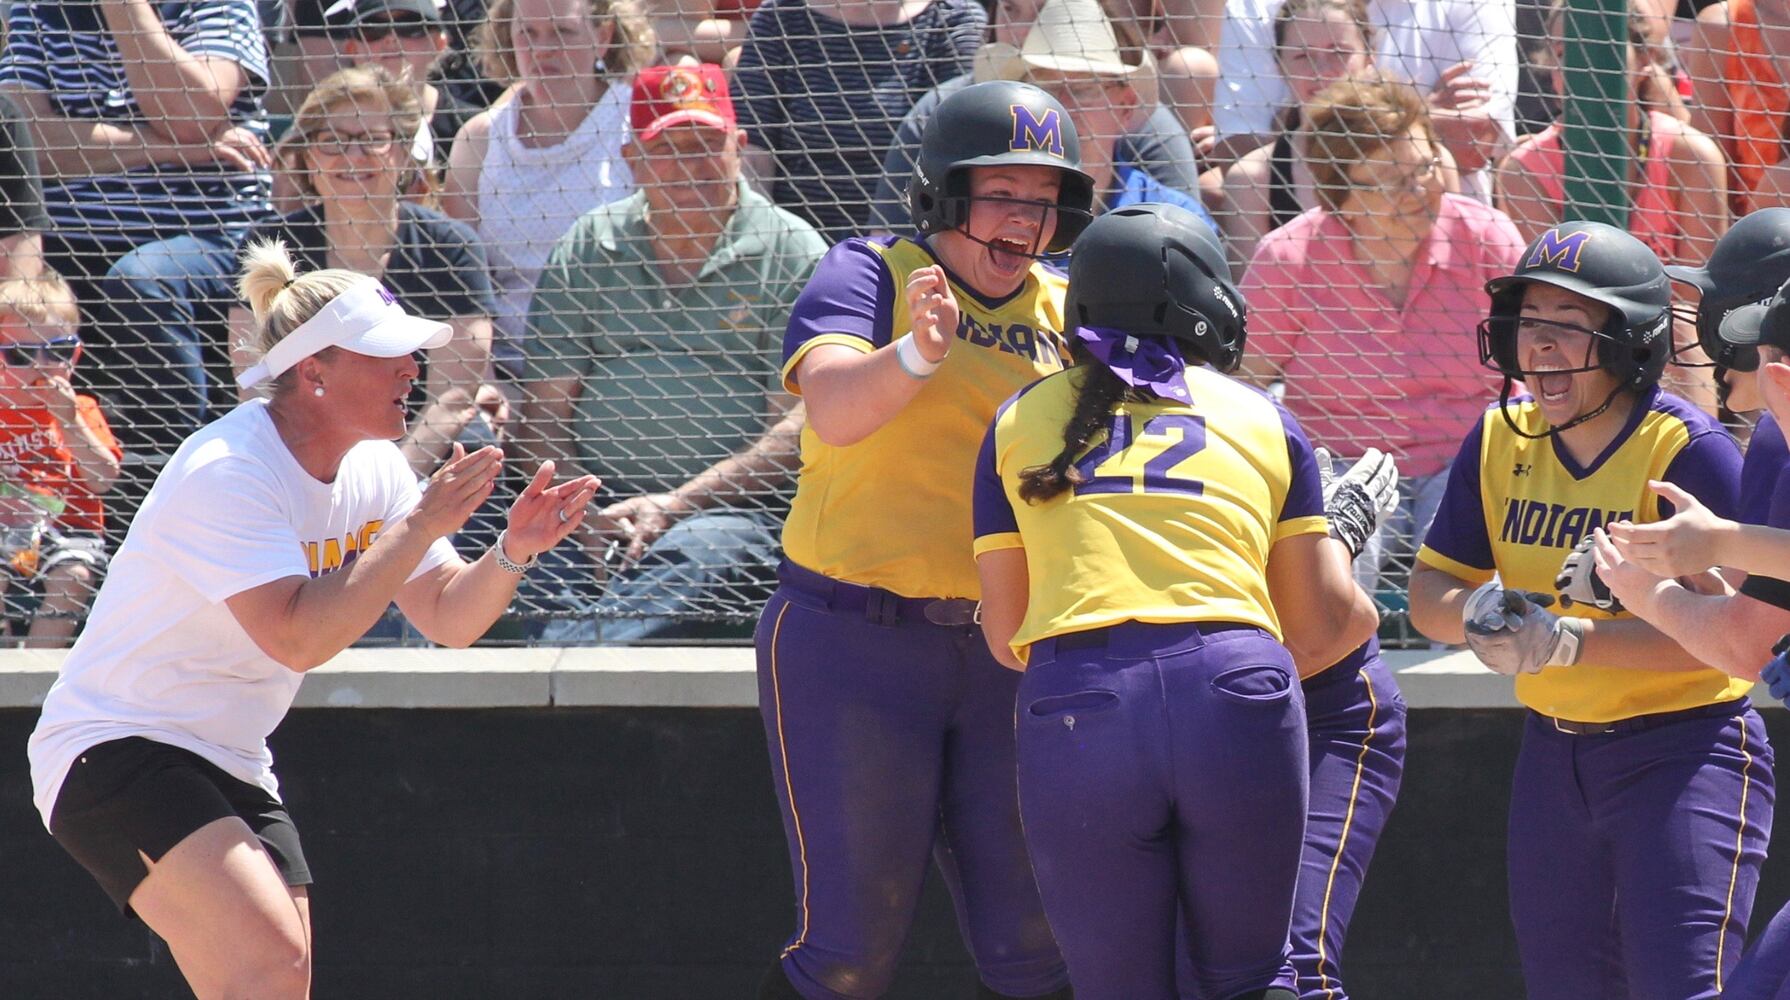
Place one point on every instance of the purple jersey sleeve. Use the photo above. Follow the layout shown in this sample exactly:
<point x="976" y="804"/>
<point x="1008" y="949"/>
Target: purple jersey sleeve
<point x="1765" y="499"/>
<point x="1459" y="530"/>
<point x="851" y="293"/>
<point x="1773" y="590"/>
<point x="992" y="511"/>
<point x="1305" y="488"/>
<point x="1766" y="458"/>
<point x="1707" y="468"/>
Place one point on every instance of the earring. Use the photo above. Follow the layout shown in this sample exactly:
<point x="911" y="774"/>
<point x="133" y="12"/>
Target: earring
<point x="317" y="391"/>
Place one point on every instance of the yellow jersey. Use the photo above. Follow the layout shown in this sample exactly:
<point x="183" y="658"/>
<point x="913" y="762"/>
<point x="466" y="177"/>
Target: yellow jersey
<point x="1178" y="509"/>
<point x="892" y="510"/>
<point x="1515" y="507"/>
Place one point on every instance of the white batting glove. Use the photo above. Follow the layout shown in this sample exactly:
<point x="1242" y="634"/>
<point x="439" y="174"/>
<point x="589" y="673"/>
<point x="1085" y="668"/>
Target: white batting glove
<point x="1578" y="581"/>
<point x="1512" y="632"/>
<point x="1360" y="498"/>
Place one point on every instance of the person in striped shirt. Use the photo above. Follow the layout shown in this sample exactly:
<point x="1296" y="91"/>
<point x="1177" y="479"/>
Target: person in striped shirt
<point x="152" y="141"/>
<point x="819" y="149"/>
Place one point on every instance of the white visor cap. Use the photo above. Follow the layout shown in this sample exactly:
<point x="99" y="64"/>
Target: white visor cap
<point x="365" y="319"/>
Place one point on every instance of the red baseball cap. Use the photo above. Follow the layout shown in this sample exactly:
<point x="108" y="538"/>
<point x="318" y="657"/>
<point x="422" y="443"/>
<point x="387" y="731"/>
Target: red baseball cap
<point x="673" y="95"/>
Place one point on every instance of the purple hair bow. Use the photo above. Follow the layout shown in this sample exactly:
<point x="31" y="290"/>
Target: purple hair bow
<point x="1152" y="363"/>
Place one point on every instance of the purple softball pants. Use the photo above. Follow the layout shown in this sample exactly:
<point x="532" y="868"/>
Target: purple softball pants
<point x="1764" y="971"/>
<point x="891" y="740"/>
<point x="1634" y="855"/>
<point x="1355" y="720"/>
<point x="1162" y="779"/>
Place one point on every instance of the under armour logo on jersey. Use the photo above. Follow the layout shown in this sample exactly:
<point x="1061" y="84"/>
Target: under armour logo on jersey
<point x="1032" y="133"/>
<point x="1521" y="469"/>
<point x="1558" y="250"/>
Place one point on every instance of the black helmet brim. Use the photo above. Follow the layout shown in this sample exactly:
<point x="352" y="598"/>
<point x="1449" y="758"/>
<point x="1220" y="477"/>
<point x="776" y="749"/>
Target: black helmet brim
<point x="1743" y="327"/>
<point x="1696" y="277"/>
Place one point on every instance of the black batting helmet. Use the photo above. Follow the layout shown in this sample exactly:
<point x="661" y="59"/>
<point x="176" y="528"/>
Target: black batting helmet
<point x="989" y="124"/>
<point x="1158" y="269"/>
<point x="1749" y="264"/>
<point x="1603" y="264"/>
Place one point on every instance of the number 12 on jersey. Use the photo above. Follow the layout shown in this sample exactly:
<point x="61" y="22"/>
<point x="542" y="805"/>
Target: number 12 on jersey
<point x="1167" y="440"/>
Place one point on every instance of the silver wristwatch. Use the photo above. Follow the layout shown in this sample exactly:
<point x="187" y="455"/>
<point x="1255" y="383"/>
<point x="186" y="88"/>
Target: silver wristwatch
<point x="507" y="564"/>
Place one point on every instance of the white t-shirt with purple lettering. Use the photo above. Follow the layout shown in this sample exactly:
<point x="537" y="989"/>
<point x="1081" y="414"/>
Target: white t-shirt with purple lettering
<point x="162" y="656"/>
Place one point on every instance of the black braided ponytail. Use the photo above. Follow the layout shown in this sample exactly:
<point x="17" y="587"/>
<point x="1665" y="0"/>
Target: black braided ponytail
<point x="1100" y="391"/>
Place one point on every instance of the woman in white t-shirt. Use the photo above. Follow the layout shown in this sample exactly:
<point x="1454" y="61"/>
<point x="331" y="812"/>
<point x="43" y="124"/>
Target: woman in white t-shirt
<point x="273" y="539"/>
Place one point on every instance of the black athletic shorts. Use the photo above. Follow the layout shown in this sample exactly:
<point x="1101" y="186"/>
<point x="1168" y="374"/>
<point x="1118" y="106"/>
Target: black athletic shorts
<point x="135" y="794"/>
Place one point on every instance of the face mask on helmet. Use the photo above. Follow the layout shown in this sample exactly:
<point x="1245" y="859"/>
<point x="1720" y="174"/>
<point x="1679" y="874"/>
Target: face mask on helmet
<point x="1051" y="216"/>
<point x="1577" y="349"/>
<point x="1499" y="346"/>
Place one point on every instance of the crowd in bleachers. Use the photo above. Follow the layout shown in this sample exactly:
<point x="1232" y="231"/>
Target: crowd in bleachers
<point x="618" y="292"/>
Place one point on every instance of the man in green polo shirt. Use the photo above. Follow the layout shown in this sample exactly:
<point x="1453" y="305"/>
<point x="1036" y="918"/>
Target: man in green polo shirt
<point x="655" y="336"/>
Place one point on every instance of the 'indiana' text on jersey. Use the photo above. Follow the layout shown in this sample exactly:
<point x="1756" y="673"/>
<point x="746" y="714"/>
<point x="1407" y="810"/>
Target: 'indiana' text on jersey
<point x="332" y="554"/>
<point x="1013" y="338"/>
<point x="1538" y="522"/>
<point x="1521" y="526"/>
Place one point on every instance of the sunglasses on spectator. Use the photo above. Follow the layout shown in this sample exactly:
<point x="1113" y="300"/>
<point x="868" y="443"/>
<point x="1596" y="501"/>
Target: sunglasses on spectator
<point x="341" y="144"/>
<point x="409" y="27"/>
<point x="60" y="351"/>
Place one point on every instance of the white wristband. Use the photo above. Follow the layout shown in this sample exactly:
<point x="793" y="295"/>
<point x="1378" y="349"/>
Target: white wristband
<point x="907" y="355"/>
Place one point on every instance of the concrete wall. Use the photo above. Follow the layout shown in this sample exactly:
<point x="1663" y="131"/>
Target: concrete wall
<point x="633" y="851"/>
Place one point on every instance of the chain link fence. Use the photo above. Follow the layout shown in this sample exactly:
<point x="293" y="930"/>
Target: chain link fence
<point x="618" y="294"/>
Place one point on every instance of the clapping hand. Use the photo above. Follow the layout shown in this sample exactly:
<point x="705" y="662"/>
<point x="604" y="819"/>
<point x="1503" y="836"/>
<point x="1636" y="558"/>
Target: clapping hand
<point x="456" y="490"/>
<point x="933" y="310"/>
<point x="545" y="513"/>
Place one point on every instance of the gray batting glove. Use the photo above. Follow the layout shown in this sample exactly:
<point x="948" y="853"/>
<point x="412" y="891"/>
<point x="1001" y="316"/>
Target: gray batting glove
<point x="1512" y="632"/>
<point x="1360" y="498"/>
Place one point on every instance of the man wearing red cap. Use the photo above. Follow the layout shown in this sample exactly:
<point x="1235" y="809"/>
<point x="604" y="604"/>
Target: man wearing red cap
<point x="654" y="343"/>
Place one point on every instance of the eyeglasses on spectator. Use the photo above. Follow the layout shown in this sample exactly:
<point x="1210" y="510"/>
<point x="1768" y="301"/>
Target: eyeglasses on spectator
<point x="335" y="143"/>
<point x="1407" y="182"/>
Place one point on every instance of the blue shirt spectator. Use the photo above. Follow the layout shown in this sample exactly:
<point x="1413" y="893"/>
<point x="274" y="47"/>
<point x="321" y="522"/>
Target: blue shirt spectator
<point x="170" y="160"/>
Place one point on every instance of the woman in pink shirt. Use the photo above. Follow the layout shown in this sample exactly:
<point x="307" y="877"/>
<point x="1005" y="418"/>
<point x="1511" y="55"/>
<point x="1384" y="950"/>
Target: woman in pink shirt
<point x="1364" y="308"/>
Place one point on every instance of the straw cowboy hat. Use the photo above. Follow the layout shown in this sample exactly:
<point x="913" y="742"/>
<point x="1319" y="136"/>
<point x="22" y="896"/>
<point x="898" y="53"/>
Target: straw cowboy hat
<point x="1072" y="38"/>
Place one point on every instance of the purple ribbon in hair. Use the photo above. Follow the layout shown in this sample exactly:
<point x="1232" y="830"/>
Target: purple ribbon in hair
<point x="1152" y="363"/>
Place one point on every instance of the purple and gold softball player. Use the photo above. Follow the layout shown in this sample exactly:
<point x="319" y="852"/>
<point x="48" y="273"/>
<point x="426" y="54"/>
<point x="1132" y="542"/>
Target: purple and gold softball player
<point x="1758" y="546"/>
<point x="1355" y="725"/>
<point x="890" y="726"/>
<point x="1140" y="521"/>
<point x="1641" y="803"/>
<point x="1733" y="631"/>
